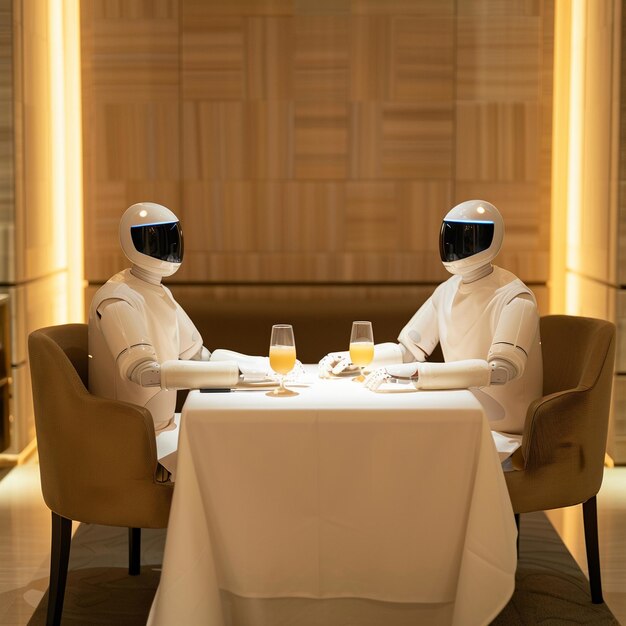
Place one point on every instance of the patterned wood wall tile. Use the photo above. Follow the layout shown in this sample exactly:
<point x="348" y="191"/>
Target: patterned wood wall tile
<point x="498" y="58"/>
<point x="135" y="44"/>
<point x="497" y="141"/>
<point x="319" y="7"/>
<point x="237" y="140"/>
<point x="424" y="204"/>
<point x="423" y="59"/>
<point x="365" y="140"/>
<point x="371" y="63"/>
<point x="372" y="214"/>
<point x="131" y="114"/>
<point x="321" y="58"/>
<point x="417" y="141"/>
<point x="501" y="7"/>
<point x="320" y="140"/>
<point x="213" y="58"/>
<point x="134" y="9"/>
<point x="269" y="50"/>
<point x="403" y="7"/>
<point x="203" y="11"/>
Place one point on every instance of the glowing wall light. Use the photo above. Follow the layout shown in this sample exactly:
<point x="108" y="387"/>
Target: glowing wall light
<point x="65" y="108"/>
<point x="576" y="127"/>
<point x="567" y="153"/>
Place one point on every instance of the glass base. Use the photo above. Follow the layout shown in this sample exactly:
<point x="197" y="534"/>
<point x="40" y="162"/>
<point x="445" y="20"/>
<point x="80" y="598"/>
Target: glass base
<point x="358" y="379"/>
<point x="282" y="392"/>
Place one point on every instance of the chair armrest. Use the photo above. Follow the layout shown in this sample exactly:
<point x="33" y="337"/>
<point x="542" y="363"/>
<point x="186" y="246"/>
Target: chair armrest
<point x="122" y="438"/>
<point x="549" y="426"/>
<point x="98" y="464"/>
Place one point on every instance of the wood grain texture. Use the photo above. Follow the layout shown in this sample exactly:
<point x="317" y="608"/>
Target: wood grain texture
<point x="498" y="58"/>
<point x="7" y="147"/>
<point x="317" y="141"/>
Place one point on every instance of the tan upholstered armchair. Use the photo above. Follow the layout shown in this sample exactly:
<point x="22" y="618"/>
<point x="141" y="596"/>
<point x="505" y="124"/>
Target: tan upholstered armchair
<point x="561" y="461"/>
<point x="97" y="457"/>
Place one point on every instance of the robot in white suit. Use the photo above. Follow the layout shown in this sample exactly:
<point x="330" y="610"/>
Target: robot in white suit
<point x="486" y="321"/>
<point x="142" y="345"/>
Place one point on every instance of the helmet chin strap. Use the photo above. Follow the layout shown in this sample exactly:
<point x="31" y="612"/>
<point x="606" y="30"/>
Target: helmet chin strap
<point x="143" y="274"/>
<point x="477" y="274"/>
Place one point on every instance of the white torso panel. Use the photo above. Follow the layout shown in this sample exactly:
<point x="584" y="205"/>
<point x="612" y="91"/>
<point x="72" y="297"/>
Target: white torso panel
<point x="165" y="329"/>
<point x="466" y="316"/>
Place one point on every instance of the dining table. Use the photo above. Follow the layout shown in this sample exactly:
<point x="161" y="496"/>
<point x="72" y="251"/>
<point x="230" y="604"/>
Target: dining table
<point x="336" y="506"/>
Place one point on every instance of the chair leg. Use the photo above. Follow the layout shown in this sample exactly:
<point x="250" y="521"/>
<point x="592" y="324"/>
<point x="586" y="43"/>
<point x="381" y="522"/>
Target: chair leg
<point x="517" y="523"/>
<point x="134" y="551"/>
<point x="59" y="559"/>
<point x="590" y="518"/>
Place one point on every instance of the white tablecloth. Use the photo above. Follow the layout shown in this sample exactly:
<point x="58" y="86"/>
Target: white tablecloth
<point x="336" y="506"/>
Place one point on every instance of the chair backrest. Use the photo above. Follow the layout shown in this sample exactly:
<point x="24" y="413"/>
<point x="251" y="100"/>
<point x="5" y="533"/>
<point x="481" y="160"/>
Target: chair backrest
<point x="97" y="457"/>
<point x="565" y="434"/>
<point x="576" y="351"/>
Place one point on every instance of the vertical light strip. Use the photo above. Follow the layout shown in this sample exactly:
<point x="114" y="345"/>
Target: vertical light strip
<point x="74" y="158"/>
<point x="575" y="148"/>
<point x="66" y="148"/>
<point x="560" y="135"/>
<point x="57" y="131"/>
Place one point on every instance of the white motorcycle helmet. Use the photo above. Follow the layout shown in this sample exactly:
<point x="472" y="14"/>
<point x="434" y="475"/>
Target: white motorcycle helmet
<point x="151" y="238"/>
<point x="471" y="236"/>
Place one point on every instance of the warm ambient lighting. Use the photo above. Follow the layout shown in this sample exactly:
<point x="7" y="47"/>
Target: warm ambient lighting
<point x="567" y="164"/>
<point x="66" y="149"/>
<point x="575" y="140"/>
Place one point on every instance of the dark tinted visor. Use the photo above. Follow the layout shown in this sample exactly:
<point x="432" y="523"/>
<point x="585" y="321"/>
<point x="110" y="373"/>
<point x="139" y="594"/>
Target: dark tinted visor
<point x="458" y="240"/>
<point x="162" y="241"/>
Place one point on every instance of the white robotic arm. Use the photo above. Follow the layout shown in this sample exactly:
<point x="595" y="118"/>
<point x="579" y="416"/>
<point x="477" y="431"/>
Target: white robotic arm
<point x="506" y="360"/>
<point x="337" y="362"/>
<point x="416" y="341"/>
<point x="252" y="368"/>
<point x="420" y="336"/>
<point x="127" y="337"/>
<point x="513" y="340"/>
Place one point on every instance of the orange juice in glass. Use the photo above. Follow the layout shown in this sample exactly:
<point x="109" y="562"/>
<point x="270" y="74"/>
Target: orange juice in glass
<point x="361" y="346"/>
<point x="282" y="356"/>
<point x="282" y="359"/>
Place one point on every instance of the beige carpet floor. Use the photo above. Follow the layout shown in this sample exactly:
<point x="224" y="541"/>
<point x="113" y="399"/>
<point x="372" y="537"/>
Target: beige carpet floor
<point x="550" y="588"/>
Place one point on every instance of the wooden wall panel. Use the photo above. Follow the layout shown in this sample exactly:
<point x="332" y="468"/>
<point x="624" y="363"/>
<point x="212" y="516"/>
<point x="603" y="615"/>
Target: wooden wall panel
<point x="318" y="142"/>
<point x="321" y="59"/>
<point x="131" y="115"/>
<point x="503" y="122"/>
<point x="7" y="149"/>
<point x="497" y="58"/>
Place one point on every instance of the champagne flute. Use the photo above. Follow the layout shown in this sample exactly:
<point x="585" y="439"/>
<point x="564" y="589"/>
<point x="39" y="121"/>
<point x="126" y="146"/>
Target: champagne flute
<point x="361" y="346"/>
<point x="282" y="356"/>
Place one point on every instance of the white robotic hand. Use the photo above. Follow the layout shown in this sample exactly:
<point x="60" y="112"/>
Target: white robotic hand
<point x="296" y="373"/>
<point x="335" y="363"/>
<point x="254" y="369"/>
<point x="403" y="372"/>
<point x="257" y="369"/>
